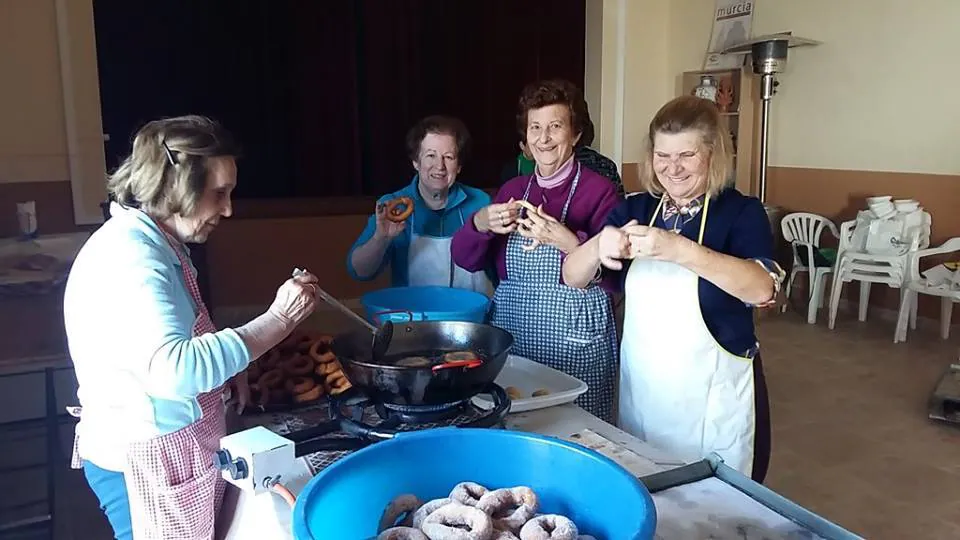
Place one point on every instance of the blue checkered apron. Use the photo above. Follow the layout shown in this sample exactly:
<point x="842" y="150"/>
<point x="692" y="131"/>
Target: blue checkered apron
<point x="568" y="329"/>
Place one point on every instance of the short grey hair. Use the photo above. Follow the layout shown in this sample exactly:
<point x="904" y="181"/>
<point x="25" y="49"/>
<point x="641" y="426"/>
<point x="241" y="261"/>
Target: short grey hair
<point x="166" y="172"/>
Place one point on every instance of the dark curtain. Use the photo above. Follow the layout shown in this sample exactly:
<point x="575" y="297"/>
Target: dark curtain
<point x="321" y="94"/>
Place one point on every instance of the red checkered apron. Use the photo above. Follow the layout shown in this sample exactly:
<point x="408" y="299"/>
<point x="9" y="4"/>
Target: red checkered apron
<point x="173" y="487"/>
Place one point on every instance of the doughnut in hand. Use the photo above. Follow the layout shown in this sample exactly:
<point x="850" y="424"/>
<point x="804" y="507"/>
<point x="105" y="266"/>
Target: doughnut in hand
<point x="468" y="493"/>
<point x="549" y="527"/>
<point x="402" y="505"/>
<point x="458" y="522"/>
<point x="394" y="212"/>
<point x="509" y="508"/>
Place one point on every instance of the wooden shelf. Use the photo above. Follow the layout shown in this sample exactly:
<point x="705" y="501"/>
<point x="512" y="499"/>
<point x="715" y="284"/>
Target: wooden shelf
<point x="742" y="120"/>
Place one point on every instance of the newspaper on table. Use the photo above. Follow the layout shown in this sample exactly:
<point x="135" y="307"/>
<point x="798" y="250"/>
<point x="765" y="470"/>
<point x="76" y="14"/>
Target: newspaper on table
<point x="732" y="24"/>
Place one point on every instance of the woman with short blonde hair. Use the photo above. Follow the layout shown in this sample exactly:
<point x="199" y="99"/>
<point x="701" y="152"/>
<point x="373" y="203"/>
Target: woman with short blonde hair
<point x="694" y="258"/>
<point x="698" y="116"/>
<point x="152" y="369"/>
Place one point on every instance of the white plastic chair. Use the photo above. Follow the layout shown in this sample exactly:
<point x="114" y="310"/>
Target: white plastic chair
<point x="916" y="284"/>
<point x="803" y="230"/>
<point x="868" y="268"/>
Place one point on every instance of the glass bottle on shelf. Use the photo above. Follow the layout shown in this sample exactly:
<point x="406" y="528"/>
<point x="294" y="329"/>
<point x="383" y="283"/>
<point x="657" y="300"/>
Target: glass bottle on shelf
<point x="707" y="89"/>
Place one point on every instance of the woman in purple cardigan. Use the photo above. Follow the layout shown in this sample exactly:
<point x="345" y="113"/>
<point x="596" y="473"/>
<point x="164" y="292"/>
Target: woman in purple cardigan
<point x="533" y="222"/>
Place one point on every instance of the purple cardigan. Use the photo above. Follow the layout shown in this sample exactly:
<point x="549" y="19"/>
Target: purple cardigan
<point x="595" y="197"/>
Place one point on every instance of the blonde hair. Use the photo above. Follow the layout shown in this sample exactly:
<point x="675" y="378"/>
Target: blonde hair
<point x="166" y="172"/>
<point x="690" y="113"/>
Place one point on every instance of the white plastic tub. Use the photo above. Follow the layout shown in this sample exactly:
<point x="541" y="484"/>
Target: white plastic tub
<point x="528" y="376"/>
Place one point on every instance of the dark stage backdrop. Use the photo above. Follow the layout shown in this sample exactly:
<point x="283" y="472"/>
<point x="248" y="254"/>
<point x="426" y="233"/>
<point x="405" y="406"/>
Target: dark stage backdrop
<point x="321" y="93"/>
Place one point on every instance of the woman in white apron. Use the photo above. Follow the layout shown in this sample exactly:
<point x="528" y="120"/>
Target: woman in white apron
<point x="417" y="250"/>
<point x="153" y="371"/>
<point x="695" y="257"/>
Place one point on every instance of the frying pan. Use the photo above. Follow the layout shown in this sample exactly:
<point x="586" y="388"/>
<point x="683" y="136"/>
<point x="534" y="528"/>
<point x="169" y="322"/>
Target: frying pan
<point x="440" y="383"/>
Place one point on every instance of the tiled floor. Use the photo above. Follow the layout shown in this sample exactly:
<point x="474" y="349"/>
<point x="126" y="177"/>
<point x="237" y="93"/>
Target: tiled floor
<point x="851" y="438"/>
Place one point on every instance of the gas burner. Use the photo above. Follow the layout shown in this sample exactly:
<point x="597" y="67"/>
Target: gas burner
<point x="356" y="421"/>
<point x="421" y="414"/>
<point x="394" y="418"/>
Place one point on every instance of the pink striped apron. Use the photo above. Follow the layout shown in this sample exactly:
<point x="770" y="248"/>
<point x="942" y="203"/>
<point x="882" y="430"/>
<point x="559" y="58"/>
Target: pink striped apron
<point x="173" y="488"/>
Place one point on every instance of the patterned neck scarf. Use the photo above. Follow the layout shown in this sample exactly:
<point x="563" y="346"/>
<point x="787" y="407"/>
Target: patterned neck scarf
<point x="675" y="217"/>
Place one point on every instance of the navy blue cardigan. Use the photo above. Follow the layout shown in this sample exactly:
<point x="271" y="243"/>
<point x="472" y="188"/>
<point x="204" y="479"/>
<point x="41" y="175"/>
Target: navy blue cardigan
<point x="736" y="225"/>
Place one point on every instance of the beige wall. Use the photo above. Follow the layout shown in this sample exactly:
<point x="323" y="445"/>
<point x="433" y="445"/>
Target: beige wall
<point x="50" y="102"/>
<point x="878" y="95"/>
<point x="33" y="142"/>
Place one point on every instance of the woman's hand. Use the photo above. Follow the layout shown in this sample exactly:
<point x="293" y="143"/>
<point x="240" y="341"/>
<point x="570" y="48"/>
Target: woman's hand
<point x="239" y="392"/>
<point x="498" y="218"/>
<point x="545" y="229"/>
<point x="387" y="229"/>
<point x="614" y="245"/>
<point x="655" y="243"/>
<point x="296" y="299"/>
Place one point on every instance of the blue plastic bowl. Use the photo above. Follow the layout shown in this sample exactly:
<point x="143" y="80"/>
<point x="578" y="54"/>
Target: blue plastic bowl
<point x="346" y="499"/>
<point x="426" y="304"/>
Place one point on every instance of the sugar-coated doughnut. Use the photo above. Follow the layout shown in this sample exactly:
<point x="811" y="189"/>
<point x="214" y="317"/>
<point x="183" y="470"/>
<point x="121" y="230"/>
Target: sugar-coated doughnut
<point x="458" y="522"/>
<point x="401" y="506"/>
<point x="468" y="493"/>
<point x="428" y="508"/>
<point x="402" y="533"/>
<point x="549" y="527"/>
<point x="510" y="508"/>
<point x="473" y="512"/>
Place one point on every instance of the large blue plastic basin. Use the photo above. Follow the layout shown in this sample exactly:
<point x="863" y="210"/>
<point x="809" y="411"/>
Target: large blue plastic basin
<point x="346" y="499"/>
<point x="425" y="304"/>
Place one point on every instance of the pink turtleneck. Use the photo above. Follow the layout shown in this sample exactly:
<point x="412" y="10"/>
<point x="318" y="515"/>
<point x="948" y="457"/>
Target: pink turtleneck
<point x="557" y="178"/>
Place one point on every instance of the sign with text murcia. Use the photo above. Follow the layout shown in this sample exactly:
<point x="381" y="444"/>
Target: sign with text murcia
<point x="732" y="21"/>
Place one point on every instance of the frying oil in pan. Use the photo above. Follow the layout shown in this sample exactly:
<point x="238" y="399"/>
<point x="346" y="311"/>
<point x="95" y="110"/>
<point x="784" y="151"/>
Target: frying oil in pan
<point x="430" y="358"/>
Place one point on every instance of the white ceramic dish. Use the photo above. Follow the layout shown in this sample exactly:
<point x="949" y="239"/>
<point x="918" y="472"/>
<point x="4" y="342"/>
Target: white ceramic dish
<point x="529" y="376"/>
<point x="879" y="199"/>
<point x="906" y="205"/>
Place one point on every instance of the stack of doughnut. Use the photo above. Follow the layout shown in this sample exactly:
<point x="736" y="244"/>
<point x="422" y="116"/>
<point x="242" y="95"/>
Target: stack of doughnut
<point x="300" y="369"/>
<point x="473" y="512"/>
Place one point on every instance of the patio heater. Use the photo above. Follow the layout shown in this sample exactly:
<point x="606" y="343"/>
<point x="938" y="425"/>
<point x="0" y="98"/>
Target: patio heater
<point x="769" y="56"/>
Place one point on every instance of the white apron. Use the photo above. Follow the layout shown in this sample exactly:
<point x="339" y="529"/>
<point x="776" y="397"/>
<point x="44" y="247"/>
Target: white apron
<point x="429" y="263"/>
<point x="679" y="389"/>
